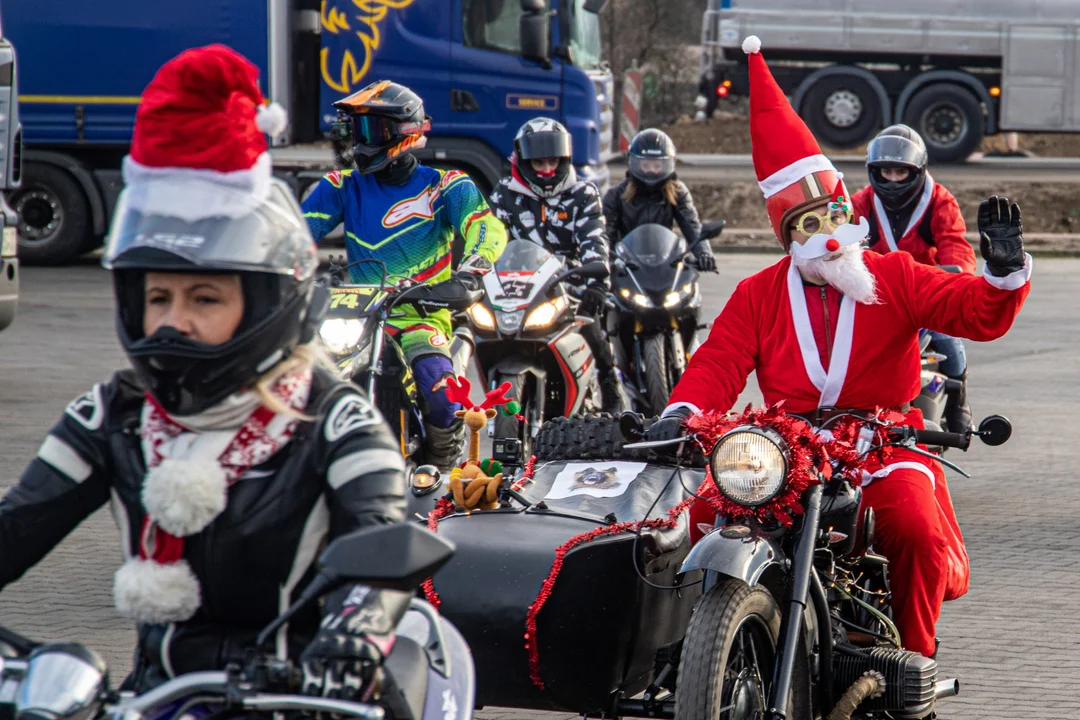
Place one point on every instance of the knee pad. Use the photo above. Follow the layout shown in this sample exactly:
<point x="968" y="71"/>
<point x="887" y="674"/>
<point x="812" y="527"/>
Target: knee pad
<point x="432" y="372"/>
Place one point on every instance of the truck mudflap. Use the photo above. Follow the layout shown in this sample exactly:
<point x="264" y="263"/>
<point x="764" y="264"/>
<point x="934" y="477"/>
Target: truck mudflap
<point x="744" y="554"/>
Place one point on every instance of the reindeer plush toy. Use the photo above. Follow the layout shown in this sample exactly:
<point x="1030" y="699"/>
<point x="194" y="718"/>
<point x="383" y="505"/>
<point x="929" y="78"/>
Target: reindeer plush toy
<point x="472" y="488"/>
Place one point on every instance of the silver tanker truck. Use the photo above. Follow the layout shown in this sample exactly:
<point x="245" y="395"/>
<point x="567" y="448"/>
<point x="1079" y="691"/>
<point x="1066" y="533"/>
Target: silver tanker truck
<point x="955" y="70"/>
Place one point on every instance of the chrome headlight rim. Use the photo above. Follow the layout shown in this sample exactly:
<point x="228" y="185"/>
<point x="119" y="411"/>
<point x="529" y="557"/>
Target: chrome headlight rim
<point x="765" y="432"/>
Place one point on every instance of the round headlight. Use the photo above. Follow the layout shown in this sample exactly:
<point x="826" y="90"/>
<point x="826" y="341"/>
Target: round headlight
<point x="749" y="465"/>
<point x="64" y="681"/>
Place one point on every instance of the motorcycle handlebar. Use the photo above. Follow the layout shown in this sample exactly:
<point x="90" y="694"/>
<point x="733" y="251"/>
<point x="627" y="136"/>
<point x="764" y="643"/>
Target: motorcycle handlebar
<point x="960" y="441"/>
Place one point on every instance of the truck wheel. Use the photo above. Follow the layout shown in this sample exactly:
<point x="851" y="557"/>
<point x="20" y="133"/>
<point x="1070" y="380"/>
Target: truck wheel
<point x="950" y="120"/>
<point x="841" y="110"/>
<point x="54" y="216"/>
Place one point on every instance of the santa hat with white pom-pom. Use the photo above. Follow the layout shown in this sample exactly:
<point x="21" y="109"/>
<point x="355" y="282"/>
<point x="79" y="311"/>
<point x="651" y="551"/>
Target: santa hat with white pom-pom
<point x="199" y="149"/>
<point x="791" y="170"/>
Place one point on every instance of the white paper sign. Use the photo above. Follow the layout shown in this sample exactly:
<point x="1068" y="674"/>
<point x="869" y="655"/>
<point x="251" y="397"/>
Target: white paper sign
<point x="598" y="479"/>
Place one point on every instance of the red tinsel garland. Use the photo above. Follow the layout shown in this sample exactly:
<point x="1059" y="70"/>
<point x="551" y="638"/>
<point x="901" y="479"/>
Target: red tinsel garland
<point x="443" y="507"/>
<point x="531" y="646"/>
<point x="526" y="475"/>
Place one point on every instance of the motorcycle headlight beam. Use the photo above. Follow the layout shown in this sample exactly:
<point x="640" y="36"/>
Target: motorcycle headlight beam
<point x="341" y="336"/>
<point x="749" y="465"/>
<point x="642" y="300"/>
<point x="672" y="299"/>
<point x="482" y="316"/>
<point x="546" y="313"/>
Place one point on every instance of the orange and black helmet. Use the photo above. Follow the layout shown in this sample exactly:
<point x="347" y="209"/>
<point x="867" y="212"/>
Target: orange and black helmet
<point x="382" y="121"/>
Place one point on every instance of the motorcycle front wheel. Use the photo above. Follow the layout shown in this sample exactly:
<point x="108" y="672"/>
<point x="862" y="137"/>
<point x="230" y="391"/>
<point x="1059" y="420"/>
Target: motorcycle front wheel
<point x="729" y="653"/>
<point x="657" y="377"/>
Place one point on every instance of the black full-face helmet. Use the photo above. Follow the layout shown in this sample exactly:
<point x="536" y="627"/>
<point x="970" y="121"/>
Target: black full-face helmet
<point x="383" y="121"/>
<point x="897" y="146"/>
<point x="545" y="138"/>
<point x="263" y="239"/>
<point x="651" y="157"/>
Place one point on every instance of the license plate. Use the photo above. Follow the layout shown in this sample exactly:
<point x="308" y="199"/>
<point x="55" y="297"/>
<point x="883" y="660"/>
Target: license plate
<point x="11" y="242"/>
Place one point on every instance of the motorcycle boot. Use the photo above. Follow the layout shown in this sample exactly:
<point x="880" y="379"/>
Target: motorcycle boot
<point x="957" y="410"/>
<point x="611" y="399"/>
<point x="443" y="446"/>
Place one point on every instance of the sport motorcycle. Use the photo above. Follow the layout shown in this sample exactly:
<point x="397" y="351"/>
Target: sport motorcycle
<point x="526" y="333"/>
<point x="357" y="336"/>
<point x="427" y="675"/>
<point x="657" y="302"/>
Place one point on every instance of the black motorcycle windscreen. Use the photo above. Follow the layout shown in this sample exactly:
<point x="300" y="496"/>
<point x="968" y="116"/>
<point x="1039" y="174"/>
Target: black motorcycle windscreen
<point x="655" y="249"/>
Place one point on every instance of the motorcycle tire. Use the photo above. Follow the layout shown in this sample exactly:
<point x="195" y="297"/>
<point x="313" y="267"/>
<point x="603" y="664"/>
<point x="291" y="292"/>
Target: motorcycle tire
<point x="712" y="652"/>
<point x="657" y="382"/>
<point x="511" y="427"/>
<point x="592" y="437"/>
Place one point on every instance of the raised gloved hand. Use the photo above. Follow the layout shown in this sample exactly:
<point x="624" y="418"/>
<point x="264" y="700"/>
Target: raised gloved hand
<point x="668" y="427"/>
<point x="1001" y="236"/>
<point x="703" y="255"/>
<point x="344" y="658"/>
<point x="593" y="298"/>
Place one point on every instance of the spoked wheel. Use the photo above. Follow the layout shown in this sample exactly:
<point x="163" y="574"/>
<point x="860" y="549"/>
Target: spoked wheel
<point x="729" y="654"/>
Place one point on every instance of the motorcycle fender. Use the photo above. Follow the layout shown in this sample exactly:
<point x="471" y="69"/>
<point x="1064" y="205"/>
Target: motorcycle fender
<point x="515" y="365"/>
<point x="462" y="345"/>
<point x="746" y="559"/>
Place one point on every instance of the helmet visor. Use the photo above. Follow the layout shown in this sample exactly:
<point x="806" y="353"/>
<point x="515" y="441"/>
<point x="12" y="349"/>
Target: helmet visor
<point x="896" y="151"/>
<point x="381" y="130"/>
<point x="545" y="145"/>
<point x="651" y="169"/>
<point x="268" y="236"/>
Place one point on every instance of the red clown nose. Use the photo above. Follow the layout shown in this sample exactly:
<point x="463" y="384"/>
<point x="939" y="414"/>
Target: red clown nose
<point x="832" y="245"/>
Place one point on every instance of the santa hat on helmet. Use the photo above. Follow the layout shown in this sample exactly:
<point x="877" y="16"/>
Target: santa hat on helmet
<point x="199" y="148"/>
<point x="791" y="170"/>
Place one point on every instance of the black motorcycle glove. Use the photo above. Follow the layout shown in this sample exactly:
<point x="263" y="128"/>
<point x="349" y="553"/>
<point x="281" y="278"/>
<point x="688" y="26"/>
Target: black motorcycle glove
<point x="703" y="255"/>
<point x="1001" y="236"/>
<point x="668" y="427"/>
<point x="344" y="659"/>
<point x="593" y="298"/>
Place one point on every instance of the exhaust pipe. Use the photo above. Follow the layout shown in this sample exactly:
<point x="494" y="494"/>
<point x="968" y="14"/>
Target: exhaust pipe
<point x="946" y="688"/>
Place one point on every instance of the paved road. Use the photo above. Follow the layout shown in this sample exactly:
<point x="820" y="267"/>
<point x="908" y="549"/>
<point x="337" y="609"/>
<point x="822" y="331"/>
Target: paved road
<point x="1012" y="640"/>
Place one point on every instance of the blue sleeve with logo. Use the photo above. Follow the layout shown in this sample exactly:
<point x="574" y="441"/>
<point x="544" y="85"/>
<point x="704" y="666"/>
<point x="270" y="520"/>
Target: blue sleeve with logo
<point x="324" y="208"/>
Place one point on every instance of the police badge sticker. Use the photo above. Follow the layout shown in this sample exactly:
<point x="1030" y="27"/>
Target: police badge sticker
<point x="351" y="412"/>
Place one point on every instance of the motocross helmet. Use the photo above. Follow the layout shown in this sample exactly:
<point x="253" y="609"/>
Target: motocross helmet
<point x="651" y="157"/>
<point x="382" y="121"/>
<point x="897" y="146"/>
<point x="266" y="242"/>
<point x="544" y="138"/>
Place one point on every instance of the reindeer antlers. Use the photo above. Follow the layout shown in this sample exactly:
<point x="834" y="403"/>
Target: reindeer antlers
<point x="458" y="389"/>
<point x="496" y="397"/>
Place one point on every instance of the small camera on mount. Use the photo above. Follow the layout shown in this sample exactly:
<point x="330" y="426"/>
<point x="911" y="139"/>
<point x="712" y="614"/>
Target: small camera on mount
<point x="506" y="450"/>
<point x="341" y="130"/>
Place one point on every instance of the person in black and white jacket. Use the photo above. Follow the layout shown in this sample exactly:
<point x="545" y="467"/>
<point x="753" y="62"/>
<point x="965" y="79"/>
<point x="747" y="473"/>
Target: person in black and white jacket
<point x="229" y="455"/>
<point x="545" y="202"/>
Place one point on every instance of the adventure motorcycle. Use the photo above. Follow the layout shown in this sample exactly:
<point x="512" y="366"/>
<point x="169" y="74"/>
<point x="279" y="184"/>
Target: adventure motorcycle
<point x="657" y="303"/>
<point x="526" y="333"/>
<point x="832" y="646"/>
<point x="427" y="675"/>
<point x="358" y="338"/>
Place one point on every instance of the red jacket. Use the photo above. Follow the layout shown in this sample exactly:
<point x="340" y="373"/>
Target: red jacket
<point x="773" y="325"/>
<point x="948" y="247"/>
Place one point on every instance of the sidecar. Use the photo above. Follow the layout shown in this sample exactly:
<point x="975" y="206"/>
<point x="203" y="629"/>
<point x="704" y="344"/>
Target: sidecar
<point x="602" y="630"/>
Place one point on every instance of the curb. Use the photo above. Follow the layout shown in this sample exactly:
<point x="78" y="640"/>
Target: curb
<point x="739" y="240"/>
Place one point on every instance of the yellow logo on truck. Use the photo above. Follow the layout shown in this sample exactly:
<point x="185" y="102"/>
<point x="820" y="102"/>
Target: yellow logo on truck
<point x="344" y="75"/>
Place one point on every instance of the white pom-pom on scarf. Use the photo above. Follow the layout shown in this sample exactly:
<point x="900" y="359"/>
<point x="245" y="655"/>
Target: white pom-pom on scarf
<point x="271" y="119"/>
<point x="150" y="592"/>
<point x="751" y="45"/>
<point x="184" y="496"/>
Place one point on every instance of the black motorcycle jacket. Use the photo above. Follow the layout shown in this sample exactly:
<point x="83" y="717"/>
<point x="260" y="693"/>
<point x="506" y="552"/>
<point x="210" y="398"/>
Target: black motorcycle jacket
<point x="338" y="473"/>
<point x="650" y="206"/>
<point x="570" y="225"/>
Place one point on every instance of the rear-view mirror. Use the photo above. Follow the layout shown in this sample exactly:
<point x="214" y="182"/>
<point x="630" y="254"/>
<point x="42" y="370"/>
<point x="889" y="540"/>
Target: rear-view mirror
<point x="535" y="31"/>
<point x="593" y="270"/>
<point x="397" y="557"/>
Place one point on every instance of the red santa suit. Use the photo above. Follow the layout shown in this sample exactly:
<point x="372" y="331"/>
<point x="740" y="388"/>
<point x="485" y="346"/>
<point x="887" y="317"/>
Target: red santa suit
<point x="811" y="348"/>
<point x="947" y="245"/>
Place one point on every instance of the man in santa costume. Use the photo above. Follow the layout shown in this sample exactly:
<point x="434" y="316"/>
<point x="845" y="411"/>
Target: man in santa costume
<point x="831" y="328"/>
<point x="909" y="211"/>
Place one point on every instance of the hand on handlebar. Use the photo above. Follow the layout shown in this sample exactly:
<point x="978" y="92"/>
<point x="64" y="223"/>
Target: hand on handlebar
<point x="339" y="665"/>
<point x="703" y="256"/>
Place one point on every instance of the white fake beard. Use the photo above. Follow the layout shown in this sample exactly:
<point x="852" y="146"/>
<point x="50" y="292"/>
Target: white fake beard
<point x="844" y="270"/>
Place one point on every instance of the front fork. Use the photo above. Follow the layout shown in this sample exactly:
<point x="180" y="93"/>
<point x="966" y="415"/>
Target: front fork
<point x="792" y="619"/>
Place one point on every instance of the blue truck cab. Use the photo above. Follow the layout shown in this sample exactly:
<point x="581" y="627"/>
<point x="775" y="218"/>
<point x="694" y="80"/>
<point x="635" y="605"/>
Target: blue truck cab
<point x="482" y="67"/>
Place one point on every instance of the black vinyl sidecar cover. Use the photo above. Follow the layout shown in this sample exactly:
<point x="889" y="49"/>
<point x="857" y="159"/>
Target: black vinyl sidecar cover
<point x="600" y="629"/>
